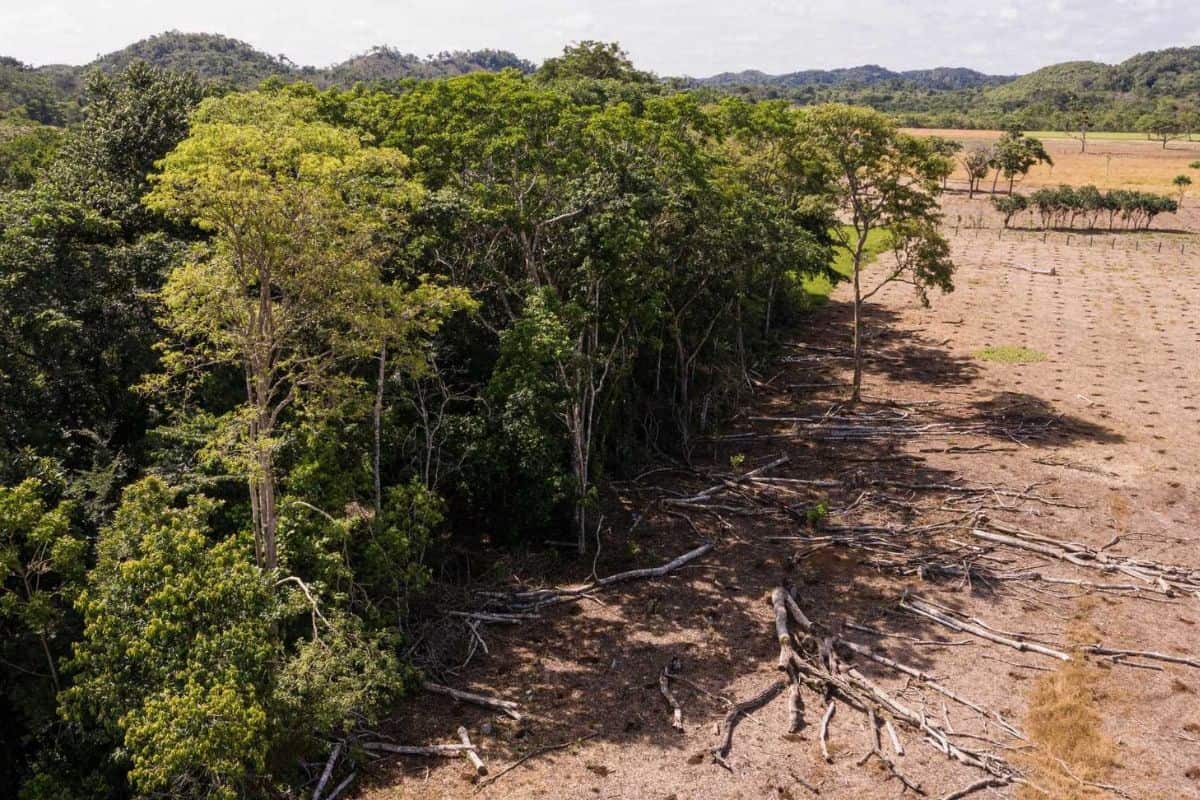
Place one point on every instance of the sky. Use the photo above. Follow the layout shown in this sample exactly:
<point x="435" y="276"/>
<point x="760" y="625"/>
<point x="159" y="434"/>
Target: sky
<point x="670" y="37"/>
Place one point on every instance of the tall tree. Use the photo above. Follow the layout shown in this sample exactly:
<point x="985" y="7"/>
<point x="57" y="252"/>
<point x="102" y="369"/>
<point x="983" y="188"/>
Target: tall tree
<point x="884" y="181"/>
<point x="289" y="286"/>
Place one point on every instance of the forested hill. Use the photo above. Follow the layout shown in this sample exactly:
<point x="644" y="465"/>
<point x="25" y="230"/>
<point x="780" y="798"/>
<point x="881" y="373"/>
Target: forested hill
<point x="1130" y="95"/>
<point x="50" y="94"/>
<point x="941" y="78"/>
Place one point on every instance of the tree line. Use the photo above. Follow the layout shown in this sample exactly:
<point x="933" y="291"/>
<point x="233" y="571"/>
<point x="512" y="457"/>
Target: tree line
<point x="269" y="356"/>
<point x="1064" y="207"/>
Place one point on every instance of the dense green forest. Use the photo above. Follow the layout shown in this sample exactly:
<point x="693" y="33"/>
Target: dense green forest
<point x="1153" y="90"/>
<point x="270" y="355"/>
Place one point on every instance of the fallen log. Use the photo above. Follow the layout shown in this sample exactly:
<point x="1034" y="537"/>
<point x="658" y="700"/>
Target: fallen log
<point x="472" y="754"/>
<point x="328" y="771"/>
<point x="442" y="750"/>
<point x="507" y="707"/>
<point x="539" y="598"/>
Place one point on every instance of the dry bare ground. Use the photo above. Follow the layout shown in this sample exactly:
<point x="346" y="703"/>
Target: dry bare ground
<point x="949" y="490"/>
<point x="1108" y="163"/>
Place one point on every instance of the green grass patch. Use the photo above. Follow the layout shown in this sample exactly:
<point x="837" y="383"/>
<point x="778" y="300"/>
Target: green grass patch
<point x="1010" y="354"/>
<point x="819" y="287"/>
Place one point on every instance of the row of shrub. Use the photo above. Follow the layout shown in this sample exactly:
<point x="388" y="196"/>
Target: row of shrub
<point x="1066" y="207"/>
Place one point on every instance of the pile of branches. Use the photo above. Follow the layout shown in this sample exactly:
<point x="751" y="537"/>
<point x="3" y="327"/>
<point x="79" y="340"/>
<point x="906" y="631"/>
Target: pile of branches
<point x="811" y="656"/>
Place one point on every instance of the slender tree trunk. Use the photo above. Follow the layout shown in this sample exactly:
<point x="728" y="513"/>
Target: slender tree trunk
<point x="270" y="520"/>
<point x="995" y="180"/>
<point x="29" y="592"/>
<point x="856" y="390"/>
<point x="377" y="419"/>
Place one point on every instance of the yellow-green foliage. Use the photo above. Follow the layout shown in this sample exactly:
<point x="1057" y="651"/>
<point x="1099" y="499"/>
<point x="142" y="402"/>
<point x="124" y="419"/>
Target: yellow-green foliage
<point x="1010" y="354"/>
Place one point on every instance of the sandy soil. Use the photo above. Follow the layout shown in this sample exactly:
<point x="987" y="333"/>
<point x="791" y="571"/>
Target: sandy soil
<point x="1120" y="390"/>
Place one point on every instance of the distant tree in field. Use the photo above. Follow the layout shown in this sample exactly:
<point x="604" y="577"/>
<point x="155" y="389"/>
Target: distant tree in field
<point x="1010" y="205"/>
<point x="1194" y="165"/>
<point x="1077" y="123"/>
<point x="948" y="148"/>
<point x="977" y="163"/>
<point x="1182" y="182"/>
<point x="883" y="180"/>
<point x="1161" y="126"/>
<point x="1015" y="154"/>
<point x="595" y="60"/>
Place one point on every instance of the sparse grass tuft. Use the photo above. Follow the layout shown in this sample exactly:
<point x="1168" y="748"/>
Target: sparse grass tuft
<point x="1010" y="354"/>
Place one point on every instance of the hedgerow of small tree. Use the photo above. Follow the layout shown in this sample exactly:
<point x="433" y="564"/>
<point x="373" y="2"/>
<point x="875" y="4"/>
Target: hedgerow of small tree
<point x="1064" y="206"/>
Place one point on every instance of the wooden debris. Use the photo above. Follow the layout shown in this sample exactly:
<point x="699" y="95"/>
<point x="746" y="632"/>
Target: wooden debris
<point x="986" y="783"/>
<point x="710" y="491"/>
<point x="442" y="750"/>
<point x="539" y="598"/>
<point x="328" y="771"/>
<point x="737" y="711"/>
<point x="472" y="754"/>
<point x="962" y="625"/>
<point x="507" y="707"/>
<point x="664" y="686"/>
<point x="490" y="779"/>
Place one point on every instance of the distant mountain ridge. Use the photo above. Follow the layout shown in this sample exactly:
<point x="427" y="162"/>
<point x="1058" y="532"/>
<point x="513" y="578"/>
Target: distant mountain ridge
<point x="939" y="78"/>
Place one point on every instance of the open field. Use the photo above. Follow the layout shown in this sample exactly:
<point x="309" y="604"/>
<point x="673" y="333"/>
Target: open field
<point x="966" y="134"/>
<point x="1096" y="441"/>
<point x="1109" y="163"/>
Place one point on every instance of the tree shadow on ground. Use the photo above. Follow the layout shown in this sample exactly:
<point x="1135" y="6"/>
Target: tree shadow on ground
<point x="591" y="668"/>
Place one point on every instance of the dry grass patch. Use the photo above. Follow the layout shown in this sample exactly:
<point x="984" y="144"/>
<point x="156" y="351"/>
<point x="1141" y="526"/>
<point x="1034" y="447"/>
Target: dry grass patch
<point x="1070" y="749"/>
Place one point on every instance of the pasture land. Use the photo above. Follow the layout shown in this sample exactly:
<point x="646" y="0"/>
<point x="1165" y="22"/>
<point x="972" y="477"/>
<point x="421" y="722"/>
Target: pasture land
<point x="1112" y="161"/>
<point x="1097" y="443"/>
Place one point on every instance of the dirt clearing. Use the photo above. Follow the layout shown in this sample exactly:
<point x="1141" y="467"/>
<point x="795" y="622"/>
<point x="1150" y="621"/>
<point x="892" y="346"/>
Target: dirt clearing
<point x="910" y="501"/>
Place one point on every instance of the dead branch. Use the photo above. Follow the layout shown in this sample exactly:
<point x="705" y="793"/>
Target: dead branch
<point x="531" y="754"/>
<point x="739" y="709"/>
<point x="664" y="686"/>
<point x="471" y="753"/>
<point x="712" y="490"/>
<point x="539" y="598"/>
<point x="986" y="783"/>
<point x="921" y="608"/>
<point x="442" y="750"/>
<point x="824" y="734"/>
<point x="341" y="787"/>
<point x="328" y="771"/>
<point x="507" y="707"/>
